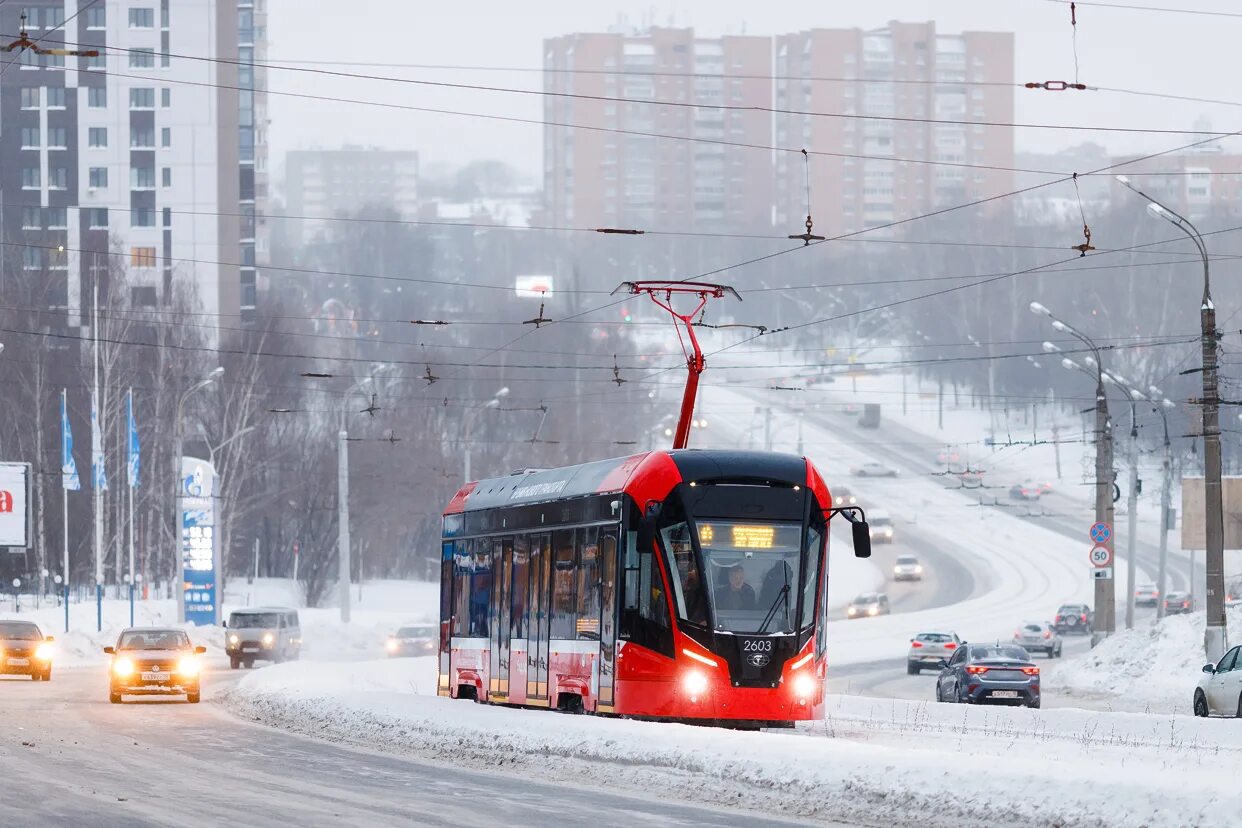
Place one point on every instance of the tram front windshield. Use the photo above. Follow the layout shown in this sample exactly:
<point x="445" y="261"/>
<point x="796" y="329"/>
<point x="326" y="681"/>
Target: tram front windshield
<point x="750" y="577"/>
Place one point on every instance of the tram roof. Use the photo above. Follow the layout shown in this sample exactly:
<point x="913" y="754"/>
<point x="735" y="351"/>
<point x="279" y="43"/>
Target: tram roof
<point x="616" y="474"/>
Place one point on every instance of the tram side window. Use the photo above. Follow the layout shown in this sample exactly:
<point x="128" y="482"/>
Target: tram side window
<point x="461" y="589"/>
<point x="563" y="547"/>
<point x="521" y="584"/>
<point x="446" y="582"/>
<point x="480" y="586"/>
<point x="588" y="584"/>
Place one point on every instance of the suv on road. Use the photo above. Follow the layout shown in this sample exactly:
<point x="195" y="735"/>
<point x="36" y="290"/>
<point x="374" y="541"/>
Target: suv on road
<point x="1074" y="618"/>
<point x="262" y="634"/>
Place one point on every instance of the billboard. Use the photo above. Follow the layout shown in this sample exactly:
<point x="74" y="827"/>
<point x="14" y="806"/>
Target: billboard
<point x="15" y="506"/>
<point x="533" y="287"/>
<point x="1194" y="521"/>
<point x="199" y="561"/>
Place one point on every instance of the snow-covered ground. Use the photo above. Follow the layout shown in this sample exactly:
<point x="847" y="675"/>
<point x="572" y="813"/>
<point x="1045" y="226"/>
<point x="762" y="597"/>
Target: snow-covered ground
<point x="870" y="762"/>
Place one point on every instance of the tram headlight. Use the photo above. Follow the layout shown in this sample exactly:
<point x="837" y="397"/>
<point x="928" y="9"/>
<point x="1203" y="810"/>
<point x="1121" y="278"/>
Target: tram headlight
<point x="803" y="685"/>
<point x="694" y="683"/>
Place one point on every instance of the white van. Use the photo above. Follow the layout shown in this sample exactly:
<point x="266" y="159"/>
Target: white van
<point x="262" y="634"/>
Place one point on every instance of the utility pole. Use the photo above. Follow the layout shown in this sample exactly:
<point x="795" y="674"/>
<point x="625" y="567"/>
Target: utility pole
<point x="1214" y="540"/>
<point x="1165" y="495"/>
<point x="342" y="484"/>
<point x="767" y="429"/>
<point x="1132" y="517"/>
<point x="1105" y="593"/>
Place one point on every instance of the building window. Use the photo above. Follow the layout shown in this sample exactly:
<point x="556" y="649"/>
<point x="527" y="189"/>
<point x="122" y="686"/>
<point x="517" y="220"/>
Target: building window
<point x="97" y="218"/>
<point x="32" y="17"/>
<point x="30" y="178"/>
<point x="142" y="59"/>
<point x="142" y="137"/>
<point x="97" y="17"/>
<point x="97" y="97"/>
<point x="97" y="137"/>
<point x="163" y="14"/>
<point x="30" y="97"/>
<point x="167" y="216"/>
<point x="166" y="177"/>
<point x="142" y="257"/>
<point x="53" y="18"/>
<point x="142" y="217"/>
<point x="165" y="97"/>
<point x="141" y="98"/>
<point x="165" y="137"/>
<point x="29" y="60"/>
<point x="142" y="178"/>
<point x="57" y="179"/>
<point x="56" y="138"/>
<point x="30" y="138"/>
<point x="97" y="177"/>
<point x="31" y="219"/>
<point x="32" y="258"/>
<point x="142" y="296"/>
<point x="142" y="18"/>
<point x="96" y="62"/>
<point x="53" y="61"/>
<point x="57" y="218"/>
<point x="56" y="97"/>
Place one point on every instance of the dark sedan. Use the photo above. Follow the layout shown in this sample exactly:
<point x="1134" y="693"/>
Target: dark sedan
<point x="417" y="640"/>
<point x="1179" y="603"/>
<point x="987" y="673"/>
<point x="24" y="651"/>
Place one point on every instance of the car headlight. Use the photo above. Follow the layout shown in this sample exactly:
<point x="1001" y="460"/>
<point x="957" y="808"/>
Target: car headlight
<point x="122" y="667"/>
<point x="918" y="569"/>
<point x="852" y="611"/>
<point x="188" y="666"/>
<point x="268" y="639"/>
<point x="872" y="610"/>
<point x="803" y="685"/>
<point x="694" y="683"/>
<point x="233" y="639"/>
<point x="392" y="645"/>
<point x="888" y="533"/>
<point x="44" y="652"/>
<point x="896" y="569"/>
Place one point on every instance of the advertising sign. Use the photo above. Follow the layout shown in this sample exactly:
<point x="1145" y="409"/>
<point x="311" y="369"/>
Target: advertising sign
<point x="198" y="541"/>
<point x="533" y="287"/>
<point x="15" y="506"/>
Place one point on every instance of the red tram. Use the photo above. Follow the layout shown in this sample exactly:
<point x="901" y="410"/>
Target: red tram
<point x="685" y="585"/>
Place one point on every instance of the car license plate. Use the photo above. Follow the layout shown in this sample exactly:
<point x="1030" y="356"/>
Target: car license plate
<point x="154" y="676"/>
<point x="1004" y="694"/>
<point x="19" y="662"/>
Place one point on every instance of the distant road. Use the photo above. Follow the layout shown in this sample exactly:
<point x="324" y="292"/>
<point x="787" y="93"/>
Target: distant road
<point x="69" y="757"/>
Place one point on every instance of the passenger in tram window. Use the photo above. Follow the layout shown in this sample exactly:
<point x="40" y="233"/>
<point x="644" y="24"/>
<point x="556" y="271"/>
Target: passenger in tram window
<point x="737" y="594"/>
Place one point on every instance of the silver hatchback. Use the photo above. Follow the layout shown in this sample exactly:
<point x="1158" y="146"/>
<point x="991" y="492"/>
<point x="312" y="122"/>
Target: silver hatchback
<point x="1038" y="637"/>
<point x="928" y="649"/>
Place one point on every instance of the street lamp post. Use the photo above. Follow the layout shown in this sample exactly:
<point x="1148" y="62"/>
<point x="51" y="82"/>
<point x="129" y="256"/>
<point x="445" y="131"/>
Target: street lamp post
<point x="1161" y="405"/>
<point x="1105" y="594"/>
<point x="468" y="424"/>
<point x="1214" y="540"/>
<point x="177" y="579"/>
<point x="342" y="498"/>
<point x="1132" y="498"/>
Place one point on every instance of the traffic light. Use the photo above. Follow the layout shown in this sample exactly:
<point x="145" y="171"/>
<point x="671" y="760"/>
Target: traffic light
<point x="626" y="316"/>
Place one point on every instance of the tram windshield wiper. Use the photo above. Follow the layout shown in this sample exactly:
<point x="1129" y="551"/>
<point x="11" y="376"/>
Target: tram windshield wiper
<point x="783" y="595"/>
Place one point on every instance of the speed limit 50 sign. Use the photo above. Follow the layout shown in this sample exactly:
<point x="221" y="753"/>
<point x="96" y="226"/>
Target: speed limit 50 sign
<point x="1101" y="556"/>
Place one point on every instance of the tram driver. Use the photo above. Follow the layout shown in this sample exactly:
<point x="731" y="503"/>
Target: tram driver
<point x="737" y="594"/>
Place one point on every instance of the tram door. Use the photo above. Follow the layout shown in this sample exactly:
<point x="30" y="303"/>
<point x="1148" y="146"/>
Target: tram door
<point x="539" y="619"/>
<point x="608" y="614"/>
<point x="502" y="591"/>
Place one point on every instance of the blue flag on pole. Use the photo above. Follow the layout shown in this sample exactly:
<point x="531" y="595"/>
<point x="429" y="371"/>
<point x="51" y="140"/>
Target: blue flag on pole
<point x="68" y="469"/>
<point x="97" y="456"/>
<point x="133" y="442"/>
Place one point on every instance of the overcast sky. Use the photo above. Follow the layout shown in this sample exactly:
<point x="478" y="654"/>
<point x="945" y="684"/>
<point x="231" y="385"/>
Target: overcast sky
<point x="1179" y="54"/>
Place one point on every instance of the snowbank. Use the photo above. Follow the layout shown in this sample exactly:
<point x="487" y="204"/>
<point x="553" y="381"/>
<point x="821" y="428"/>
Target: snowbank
<point x="1154" y="668"/>
<point x="870" y="761"/>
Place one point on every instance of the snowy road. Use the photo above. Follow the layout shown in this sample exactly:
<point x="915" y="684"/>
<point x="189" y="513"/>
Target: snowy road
<point x="87" y="762"/>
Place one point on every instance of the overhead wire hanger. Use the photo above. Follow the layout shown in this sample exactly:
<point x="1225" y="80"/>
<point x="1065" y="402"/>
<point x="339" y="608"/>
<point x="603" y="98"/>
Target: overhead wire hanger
<point x="808" y="236"/>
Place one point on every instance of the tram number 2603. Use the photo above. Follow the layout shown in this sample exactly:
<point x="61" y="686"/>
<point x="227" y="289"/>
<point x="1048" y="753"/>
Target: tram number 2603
<point x="757" y="645"/>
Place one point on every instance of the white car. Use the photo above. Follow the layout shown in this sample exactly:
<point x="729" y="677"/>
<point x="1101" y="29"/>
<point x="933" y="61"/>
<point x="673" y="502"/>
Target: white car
<point x="873" y="469"/>
<point x="880" y="526"/>
<point x="1220" y="690"/>
<point x="1038" y="636"/>
<point x="928" y="649"/>
<point x="907" y="568"/>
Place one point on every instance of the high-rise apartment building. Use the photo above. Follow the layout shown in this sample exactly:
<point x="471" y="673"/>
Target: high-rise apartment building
<point x="888" y="84"/>
<point x="320" y="184"/>
<point x="150" y="157"/>
<point x="614" y="174"/>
